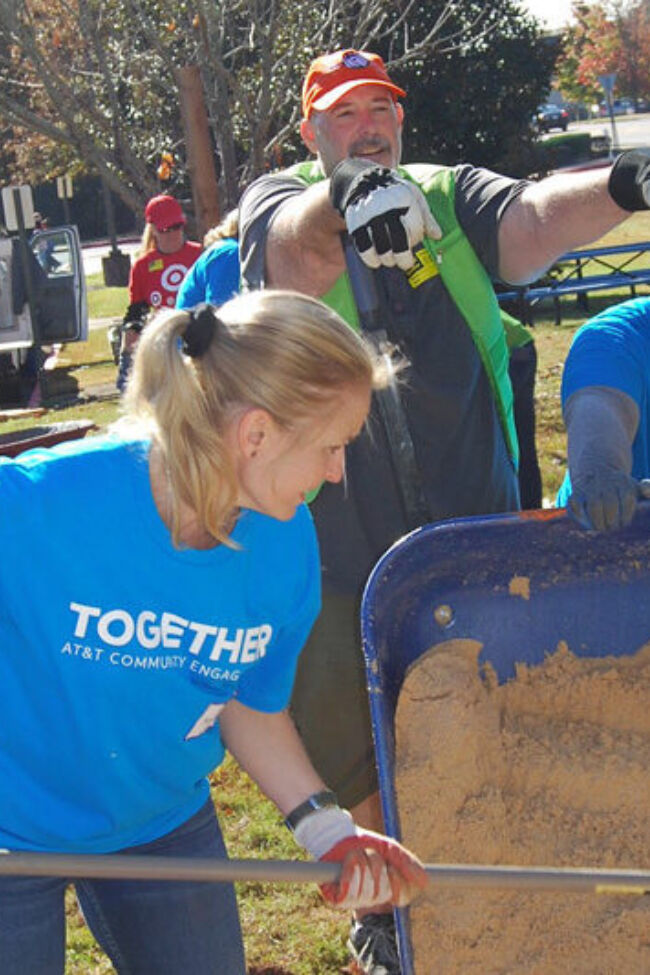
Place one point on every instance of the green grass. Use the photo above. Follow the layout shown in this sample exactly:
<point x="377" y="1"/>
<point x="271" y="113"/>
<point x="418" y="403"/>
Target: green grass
<point x="287" y="929"/>
<point x="636" y="228"/>
<point x="82" y="386"/>
<point x="286" y="926"/>
<point x="552" y="346"/>
<point x="105" y="302"/>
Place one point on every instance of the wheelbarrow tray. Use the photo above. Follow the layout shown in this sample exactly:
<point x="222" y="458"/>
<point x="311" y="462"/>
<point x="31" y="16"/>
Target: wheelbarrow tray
<point x="516" y="583"/>
<point x="12" y="444"/>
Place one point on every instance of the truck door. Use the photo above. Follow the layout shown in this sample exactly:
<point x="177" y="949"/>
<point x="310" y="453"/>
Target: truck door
<point x="15" y="319"/>
<point x="62" y="311"/>
<point x="59" y="285"/>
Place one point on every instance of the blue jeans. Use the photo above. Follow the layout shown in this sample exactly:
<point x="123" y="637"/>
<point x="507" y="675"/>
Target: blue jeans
<point x="146" y="927"/>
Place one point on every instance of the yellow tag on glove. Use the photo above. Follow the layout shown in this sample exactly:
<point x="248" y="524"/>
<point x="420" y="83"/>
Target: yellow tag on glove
<point x="423" y="269"/>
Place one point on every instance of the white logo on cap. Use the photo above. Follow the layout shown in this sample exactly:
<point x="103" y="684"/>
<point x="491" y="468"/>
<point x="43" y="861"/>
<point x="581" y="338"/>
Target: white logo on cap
<point x="355" y="61"/>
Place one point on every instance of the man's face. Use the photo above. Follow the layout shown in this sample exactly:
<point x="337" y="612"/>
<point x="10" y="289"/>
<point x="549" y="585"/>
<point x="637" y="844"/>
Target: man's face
<point x="365" y="123"/>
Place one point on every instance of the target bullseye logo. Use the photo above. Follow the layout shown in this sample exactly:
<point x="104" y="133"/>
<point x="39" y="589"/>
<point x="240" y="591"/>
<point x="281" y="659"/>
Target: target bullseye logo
<point x="172" y="276"/>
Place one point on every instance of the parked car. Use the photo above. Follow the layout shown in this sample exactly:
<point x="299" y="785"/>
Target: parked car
<point x="620" y="106"/>
<point x="549" y="117"/>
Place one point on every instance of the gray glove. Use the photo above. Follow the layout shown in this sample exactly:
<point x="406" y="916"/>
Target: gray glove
<point x="601" y="424"/>
<point x="607" y="500"/>
<point x="386" y="216"/>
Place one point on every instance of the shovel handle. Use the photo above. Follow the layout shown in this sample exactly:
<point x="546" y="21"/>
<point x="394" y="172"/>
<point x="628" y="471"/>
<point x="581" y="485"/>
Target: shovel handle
<point x="125" y="867"/>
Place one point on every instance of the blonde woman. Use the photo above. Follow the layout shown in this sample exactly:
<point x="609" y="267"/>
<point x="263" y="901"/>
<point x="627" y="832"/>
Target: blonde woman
<point x="163" y="259"/>
<point x="177" y="580"/>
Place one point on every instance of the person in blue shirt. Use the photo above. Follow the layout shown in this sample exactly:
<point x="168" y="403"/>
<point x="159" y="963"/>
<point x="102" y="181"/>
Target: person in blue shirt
<point x="214" y="277"/>
<point x="177" y="579"/>
<point x="44" y="248"/>
<point x="606" y="408"/>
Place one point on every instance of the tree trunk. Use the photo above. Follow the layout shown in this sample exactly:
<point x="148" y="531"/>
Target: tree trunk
<point x="200" y="154"/>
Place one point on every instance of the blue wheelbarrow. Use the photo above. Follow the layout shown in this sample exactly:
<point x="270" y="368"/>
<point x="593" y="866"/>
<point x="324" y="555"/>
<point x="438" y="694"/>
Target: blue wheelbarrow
<point x="452" y="580"/>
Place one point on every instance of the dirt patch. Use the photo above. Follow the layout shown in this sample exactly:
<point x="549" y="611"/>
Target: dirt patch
<point x="520" y="586"/>
<point x="549" y="769"/>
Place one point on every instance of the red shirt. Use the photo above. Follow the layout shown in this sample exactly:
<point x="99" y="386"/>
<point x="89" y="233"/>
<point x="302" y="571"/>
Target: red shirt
<point x="155" y="277"/>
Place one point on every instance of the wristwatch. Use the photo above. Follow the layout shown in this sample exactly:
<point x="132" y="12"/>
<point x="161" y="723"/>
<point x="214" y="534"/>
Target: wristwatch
<point x="319" y="800"/>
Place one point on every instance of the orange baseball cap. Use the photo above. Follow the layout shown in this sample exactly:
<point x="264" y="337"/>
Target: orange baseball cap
<point x="331" y="76"/>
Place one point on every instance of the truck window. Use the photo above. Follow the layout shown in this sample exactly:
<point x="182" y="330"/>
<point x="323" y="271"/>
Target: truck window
<point x="54" y="254"/>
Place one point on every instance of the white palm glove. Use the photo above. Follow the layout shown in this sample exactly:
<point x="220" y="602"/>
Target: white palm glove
<point x="386" y="216"/>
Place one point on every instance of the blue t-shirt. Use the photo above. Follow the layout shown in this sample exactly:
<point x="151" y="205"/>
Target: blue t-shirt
<point x="118" y="649"/>
<point x="613" y="349"/>
<point x="214" y="276"/>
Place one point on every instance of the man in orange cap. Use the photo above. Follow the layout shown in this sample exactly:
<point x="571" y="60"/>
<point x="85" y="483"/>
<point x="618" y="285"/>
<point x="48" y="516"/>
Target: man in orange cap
<point x="409" y="251"/>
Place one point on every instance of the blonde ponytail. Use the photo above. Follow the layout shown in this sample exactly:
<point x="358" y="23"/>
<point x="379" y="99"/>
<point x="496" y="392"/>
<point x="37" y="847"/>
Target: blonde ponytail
<point x="283" y="352"/>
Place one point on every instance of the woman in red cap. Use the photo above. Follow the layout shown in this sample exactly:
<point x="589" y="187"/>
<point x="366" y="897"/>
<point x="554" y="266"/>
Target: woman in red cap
<point x="165" y="257"/>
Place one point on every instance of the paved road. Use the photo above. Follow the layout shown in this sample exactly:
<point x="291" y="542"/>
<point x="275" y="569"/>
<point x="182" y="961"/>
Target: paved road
<point x="93" y="253"/>
<point x="629" y="130"/>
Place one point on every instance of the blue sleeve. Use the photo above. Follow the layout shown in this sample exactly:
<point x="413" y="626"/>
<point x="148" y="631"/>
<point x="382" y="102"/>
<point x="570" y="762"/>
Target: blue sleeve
<point x="564" y="492"/>
<point x="214" y="277"/>
<point x="612" y="349"/>
<point x="222" y="273"/>
<point x="192" y="286"/>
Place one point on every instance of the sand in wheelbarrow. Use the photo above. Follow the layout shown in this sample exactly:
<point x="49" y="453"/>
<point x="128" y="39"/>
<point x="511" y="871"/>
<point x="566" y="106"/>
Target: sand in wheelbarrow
<point x="549" y="769"/>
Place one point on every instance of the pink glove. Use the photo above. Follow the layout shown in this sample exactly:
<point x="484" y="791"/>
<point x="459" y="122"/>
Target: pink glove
<point x="376" y="870"/>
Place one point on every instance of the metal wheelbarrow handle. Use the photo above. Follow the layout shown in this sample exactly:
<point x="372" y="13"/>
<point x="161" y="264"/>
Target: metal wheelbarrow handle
<point x="127" y="867"/>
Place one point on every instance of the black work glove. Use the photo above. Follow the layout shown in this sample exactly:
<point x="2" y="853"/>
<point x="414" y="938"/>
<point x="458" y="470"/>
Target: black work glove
<point x="629" y="180"/>
<point x="135" y="315"/>
<point x="386" y="216"/>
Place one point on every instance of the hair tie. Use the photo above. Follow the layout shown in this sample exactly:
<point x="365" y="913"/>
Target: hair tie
<point x="199" y="331"/>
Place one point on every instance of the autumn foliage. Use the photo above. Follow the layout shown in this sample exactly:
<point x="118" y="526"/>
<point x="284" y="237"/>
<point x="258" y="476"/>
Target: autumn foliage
<point x="607" y="38"/>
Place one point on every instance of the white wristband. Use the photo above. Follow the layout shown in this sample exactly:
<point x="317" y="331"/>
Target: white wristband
<point x="323" y="829"/>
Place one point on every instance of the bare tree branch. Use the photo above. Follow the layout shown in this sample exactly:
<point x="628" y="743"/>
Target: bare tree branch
<point x="109" y="88"/>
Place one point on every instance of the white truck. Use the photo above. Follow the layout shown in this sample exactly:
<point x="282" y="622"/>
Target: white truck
<point x="41" y="304"/>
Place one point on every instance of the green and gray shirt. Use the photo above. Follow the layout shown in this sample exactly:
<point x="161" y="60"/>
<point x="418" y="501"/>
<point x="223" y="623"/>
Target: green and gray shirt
<point x="455" y="391"/>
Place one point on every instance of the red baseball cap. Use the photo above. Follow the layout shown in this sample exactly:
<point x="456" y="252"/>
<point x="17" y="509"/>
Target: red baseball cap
<point x="331" y="76"/>
<point x="164" y="212"/>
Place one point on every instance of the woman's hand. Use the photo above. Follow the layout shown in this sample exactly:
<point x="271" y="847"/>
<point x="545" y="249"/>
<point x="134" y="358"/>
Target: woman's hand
<point x="376" y="870"/>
